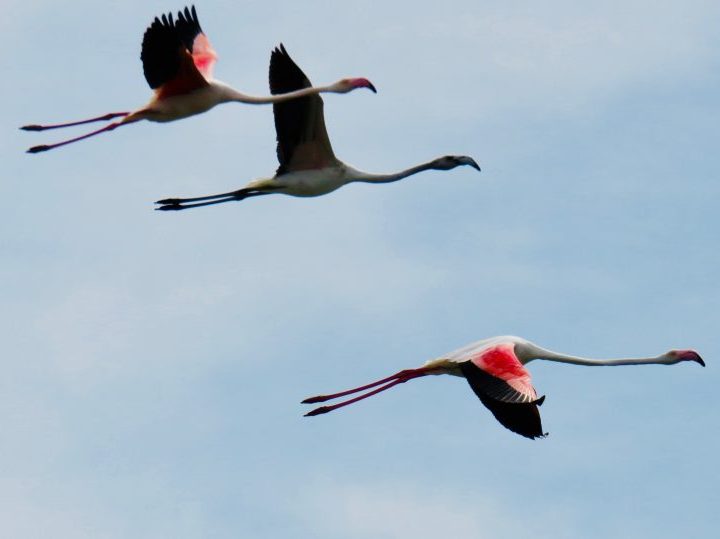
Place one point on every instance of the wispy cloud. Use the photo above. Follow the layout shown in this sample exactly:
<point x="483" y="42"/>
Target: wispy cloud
<point x="397" y="510"/>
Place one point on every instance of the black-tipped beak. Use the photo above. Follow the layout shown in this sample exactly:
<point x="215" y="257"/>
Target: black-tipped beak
<point x="371" y="86"/>
<point x="475" y="165"/>
<point x="692" y="355"/>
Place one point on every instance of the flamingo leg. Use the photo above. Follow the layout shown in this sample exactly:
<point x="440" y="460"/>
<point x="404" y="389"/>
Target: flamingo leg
<point x="399" y="378"/>
<point x="230" y="194"/>
<point x="326" y="409"/>
<point x="323" y="398"/>
<point x="46" y="147"/>
<point x="178" y="207"/>
<point x="106" y="117"/>
<point x="175" y="204"/>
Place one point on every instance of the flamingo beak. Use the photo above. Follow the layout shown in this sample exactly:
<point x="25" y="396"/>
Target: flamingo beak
<point x="474" y="165"/>
<point x="691" y="355"/>
<point x="363" y="83"/>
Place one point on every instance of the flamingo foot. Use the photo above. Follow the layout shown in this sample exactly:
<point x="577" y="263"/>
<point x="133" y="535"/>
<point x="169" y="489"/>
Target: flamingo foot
<point x="313" y="400"/>
<point x="318" y="411"/>
<point x="38" y="149"/>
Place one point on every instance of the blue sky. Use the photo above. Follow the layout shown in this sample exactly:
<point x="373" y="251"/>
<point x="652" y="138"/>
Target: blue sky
<point x="154" y="363"/>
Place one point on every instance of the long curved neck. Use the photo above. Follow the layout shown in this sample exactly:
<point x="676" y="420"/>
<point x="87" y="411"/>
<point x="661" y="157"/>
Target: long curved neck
<point x="230" y="94"/>
<point x="535" y="352"/>
<point x="389" y="178"/>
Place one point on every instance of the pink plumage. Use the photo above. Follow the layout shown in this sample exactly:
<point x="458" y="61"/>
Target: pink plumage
<point x="500" y="361"/>
<point x="204" y="56"/>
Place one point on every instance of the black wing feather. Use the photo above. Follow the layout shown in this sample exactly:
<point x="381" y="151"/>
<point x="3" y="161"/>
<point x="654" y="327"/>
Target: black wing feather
<point x="513" y="412"/>
<point x="161" y="43"/>
<point x="188" y="27"/>
<point x="291" y="117"/>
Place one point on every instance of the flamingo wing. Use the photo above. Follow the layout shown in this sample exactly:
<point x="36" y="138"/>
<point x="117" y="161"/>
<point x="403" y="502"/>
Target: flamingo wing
<point x="302" y="139"/>
<point x="515" y="410"/>
<point x="203" y="55"/>
<point x="169" y="59"/>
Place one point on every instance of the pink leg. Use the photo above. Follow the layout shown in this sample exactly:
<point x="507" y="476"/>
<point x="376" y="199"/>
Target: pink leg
<point x="106" y="117"/>
<point x="399" y="378"/>
<point x="46" y="147"/>
<point x="323" y="398"/>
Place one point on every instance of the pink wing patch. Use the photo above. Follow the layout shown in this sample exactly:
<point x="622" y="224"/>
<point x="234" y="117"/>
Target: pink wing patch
<point x="204" y="56"/>
<point x="500" y="361"/>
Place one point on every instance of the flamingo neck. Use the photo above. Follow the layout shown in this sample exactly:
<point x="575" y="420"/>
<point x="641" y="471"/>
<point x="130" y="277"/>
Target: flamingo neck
<point x="229" y="94"/>
<point x="535" y="352"/>
<point x="389" y="178"/>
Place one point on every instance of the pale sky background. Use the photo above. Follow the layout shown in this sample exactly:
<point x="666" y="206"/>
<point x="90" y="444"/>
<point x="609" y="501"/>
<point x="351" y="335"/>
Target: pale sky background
<point x="153" y="363"/>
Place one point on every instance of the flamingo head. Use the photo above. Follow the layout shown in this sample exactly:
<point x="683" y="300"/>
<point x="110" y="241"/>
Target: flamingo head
<point x="348" y="85"/>
<point x="686" y="355"/>
<point x="449" y="162"/>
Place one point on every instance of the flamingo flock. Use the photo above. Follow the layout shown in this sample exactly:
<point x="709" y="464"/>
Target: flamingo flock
<point x="178" y="62"/>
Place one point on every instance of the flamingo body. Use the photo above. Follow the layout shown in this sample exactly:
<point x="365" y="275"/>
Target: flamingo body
<point x="305" y="183"/>
<point x="495" y="370"/>
<point x="171" y="107"/>
<point x="499" y="379"/>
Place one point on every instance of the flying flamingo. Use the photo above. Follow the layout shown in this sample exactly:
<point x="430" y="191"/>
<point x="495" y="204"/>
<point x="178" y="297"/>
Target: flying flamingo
<point x="308" y="166"/>
<point x="178" y="62"/>
<point x="495" y="370"/>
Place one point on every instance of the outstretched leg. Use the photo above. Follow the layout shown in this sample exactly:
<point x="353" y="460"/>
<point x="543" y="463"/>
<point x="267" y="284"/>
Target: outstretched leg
<point x="128" y="119"/>
<point x="107" y="117"/>
<point x="46" y="147"/>
<point x="326" y="409"/>
<point x="323" y="398"/>
<point x="176" y="204"/>
<point x="391" y="381"/>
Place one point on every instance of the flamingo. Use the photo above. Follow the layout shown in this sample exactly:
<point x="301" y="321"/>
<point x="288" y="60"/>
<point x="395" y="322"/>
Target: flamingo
<point x="308" y="166"/>
<point x="495" y="370"/>
<point x="178" y="63"/>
